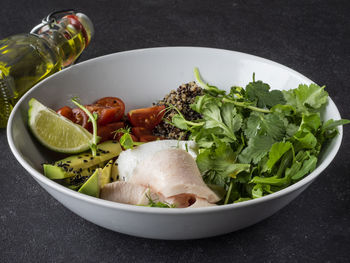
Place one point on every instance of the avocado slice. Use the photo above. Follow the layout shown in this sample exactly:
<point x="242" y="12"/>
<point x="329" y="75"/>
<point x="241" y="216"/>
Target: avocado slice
<point x="106" y="150"/>
<point x="91" y="186"/>
<point x="114" y="172"/>
<point x="100" y="178"/>
<point x="76" y="164"/>
<point x="56" y="173"/>
<point x="105" y="174"/>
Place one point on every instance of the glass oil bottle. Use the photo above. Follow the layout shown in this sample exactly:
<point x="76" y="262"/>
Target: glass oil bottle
<point x="26" y="59"/>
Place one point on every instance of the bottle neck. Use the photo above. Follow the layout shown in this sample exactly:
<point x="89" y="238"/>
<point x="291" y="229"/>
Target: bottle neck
<point x="68" y="37"/>
<point x="68" y="49"/>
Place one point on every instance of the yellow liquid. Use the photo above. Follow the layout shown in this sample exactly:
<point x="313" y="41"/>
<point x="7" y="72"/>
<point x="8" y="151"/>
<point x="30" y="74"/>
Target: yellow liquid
<point x="26" y="59"/>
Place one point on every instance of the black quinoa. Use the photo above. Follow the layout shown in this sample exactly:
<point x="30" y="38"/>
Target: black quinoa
<point x="181" y="98"/>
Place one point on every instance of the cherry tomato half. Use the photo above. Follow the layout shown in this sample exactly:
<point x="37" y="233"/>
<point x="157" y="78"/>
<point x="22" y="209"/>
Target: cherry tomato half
<point x="107" y="132"/>
<point x="116" y="125"/>
<point x="112" y="102"/>
<point x="146" y="117"/>
<point x="81" y="118"/>
<point x="105" y="114"/>
<point x="139" y="131"/>
<point x="149" y="138"/>
<point x="66" y="112"/>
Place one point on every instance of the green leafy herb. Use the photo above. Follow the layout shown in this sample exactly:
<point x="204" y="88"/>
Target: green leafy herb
<point x="270" y="124"/>
<point x="257" y="148"/>
<point x="331" y="124"/>
<point x="259" y="91"/>
<point x="306" y="98"/>
<point x="219" y="164"/>
<point x="211" y="89"/>
<point x="308" y="166"/>
<point x="126" y="140"/>
<point x="277" y="150"/>
<point x="152" y="203"/>
<point x="256" y="141"/>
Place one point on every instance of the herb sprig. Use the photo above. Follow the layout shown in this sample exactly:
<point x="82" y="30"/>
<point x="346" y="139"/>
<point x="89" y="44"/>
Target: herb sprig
<point x="126" y="140"/>
<point x="93" y="119"/>
<point x="153" y="203"/>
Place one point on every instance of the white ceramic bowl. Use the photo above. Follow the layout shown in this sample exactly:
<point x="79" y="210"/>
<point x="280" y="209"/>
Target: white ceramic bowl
<point x="141" y="77"/>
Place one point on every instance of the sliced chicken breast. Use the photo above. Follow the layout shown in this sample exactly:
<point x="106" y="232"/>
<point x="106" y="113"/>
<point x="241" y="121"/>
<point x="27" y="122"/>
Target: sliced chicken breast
<point x="187" y="200"/>
<point x="129" y="159"/>
<point x="134" y="194"/>
<point x="127" y="193"/>
<point x="201" y="203"/>
<point x="172" y="172"/>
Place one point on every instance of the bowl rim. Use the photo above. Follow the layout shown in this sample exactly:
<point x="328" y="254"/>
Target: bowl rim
<point x="41" y="178"/>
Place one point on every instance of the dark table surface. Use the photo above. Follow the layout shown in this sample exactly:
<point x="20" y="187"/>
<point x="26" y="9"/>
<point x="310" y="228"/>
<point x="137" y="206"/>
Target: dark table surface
<point x="312" y="37"/>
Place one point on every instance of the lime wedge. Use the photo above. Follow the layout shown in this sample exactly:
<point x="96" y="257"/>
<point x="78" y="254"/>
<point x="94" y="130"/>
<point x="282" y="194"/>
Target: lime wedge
<point x="55" y="131"/>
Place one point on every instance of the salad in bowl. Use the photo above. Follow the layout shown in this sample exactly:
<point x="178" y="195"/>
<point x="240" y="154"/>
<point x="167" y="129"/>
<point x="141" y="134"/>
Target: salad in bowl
<point x="135" y="155"/>
<point x="199" y="146"/>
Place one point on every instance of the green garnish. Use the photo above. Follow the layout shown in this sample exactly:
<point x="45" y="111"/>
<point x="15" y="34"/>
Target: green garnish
<point x="152" y="203"/>
<point x="179" y="120"/>
<point x="92" y="118"/>
<point x="126" y="140"/>
<point x="256" y="141"/>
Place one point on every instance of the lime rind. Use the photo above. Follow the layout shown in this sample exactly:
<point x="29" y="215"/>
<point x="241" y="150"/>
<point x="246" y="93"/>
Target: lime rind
<point x="55" y="131"/>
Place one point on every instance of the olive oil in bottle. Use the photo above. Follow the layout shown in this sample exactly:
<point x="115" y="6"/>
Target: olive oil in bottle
<point x="26" y="59"/>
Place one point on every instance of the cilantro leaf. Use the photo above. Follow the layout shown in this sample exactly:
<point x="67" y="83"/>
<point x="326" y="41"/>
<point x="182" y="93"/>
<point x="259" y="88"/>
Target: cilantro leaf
<point x="212" y="117"/>
<point x="273" y="126"/>
<point x="179" y="122"/>
<point x="252" y="126"/>
<point x="201" y="101"/>
<point x="269" y="124"/>
<point x="286" y="110"/>
<point x="305" y="139"/>
<point x="291" y="129"/>
<point x="310" y="122"/>
<point x="258" y="147"/>
<point x="257" y="191"/>
<point x="230" y="117"/>
<point x="259" y="91"/>
<point x="220" y="164"/>
<point x="306" y="98"/>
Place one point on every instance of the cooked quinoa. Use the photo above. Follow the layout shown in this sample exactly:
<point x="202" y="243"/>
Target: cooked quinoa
<point x="181" y="98"/>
